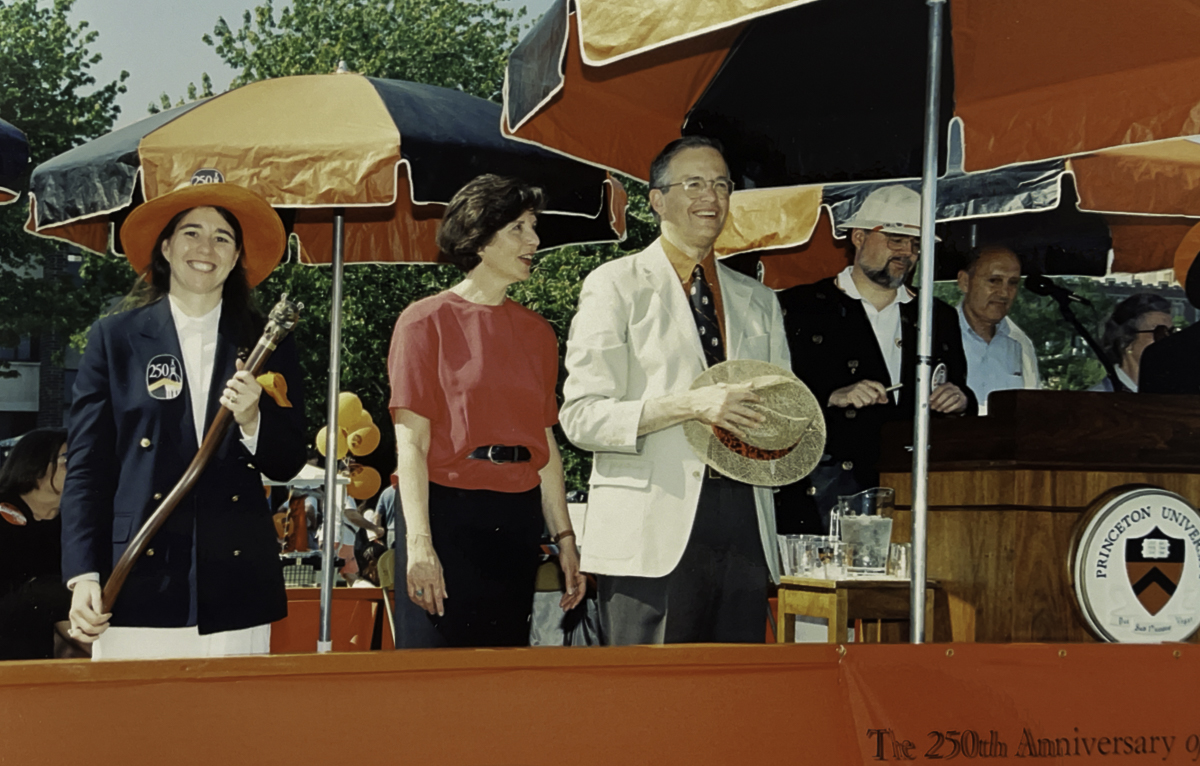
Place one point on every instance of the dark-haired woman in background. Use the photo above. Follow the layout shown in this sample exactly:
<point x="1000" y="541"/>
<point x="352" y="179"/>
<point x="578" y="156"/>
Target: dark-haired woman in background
<point x="151" y="381"/>
<point x="1135" y="324"/>
<point x="473" y="378"/>
<point x="33" y="599"/>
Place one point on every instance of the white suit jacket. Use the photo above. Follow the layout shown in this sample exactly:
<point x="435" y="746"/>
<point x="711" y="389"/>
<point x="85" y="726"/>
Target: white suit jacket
<point x="634" y="339"/>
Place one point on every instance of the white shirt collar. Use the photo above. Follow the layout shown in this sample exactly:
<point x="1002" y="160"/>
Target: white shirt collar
<point x="209" y="321"/>
<point x="846" y="282"/>
<point x="1128" y="381"/>
<point x="1002" y="327"/>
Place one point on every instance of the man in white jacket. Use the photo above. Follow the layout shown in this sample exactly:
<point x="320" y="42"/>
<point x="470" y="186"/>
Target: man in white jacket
<point x="999" y="354"/>
<point x="682" y="553"/>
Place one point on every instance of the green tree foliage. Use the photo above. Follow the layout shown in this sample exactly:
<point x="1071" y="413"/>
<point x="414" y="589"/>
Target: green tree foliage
<point x="451" y="43"/>
<point x="47" y="90"/>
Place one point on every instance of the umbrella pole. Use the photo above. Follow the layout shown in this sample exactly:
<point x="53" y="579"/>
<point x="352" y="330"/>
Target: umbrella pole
<point x="920" y="470"/>
<point x="333" y="498"/>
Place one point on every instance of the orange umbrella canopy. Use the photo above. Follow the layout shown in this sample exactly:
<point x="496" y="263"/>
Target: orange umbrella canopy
<point x="1031" y="80"/>
<point x="387" y="153"/>
<point x="805" y="94"/>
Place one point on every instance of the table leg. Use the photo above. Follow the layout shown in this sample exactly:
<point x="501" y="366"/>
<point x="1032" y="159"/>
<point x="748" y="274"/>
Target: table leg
<point x="785" y="621"/>
<point x="928" y="615"/>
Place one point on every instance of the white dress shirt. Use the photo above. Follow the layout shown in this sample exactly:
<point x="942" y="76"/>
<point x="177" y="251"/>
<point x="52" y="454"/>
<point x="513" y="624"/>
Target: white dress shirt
<point x="198" y="343"/>
<point x="885" y="322"/>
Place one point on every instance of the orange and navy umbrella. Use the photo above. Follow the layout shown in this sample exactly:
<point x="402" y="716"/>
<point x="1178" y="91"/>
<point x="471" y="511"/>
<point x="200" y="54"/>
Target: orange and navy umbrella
<point x="829" y="91"/>
<point x="14" y="161"/>
<point x="812" y="94"/>
<point x="388" y="154"/>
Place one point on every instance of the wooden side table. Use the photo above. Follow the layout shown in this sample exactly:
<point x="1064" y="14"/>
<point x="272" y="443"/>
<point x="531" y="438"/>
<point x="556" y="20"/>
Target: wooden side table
<point x="840" y="601"/>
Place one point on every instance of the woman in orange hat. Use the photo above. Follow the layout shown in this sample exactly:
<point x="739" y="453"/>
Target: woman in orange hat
<point x="473" y="378"/>
<point x="151" y="381"/>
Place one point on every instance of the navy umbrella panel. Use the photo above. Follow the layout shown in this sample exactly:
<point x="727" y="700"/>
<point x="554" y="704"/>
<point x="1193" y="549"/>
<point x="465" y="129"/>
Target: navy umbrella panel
<point x="14" y="161"/>
<point x="388" y="153"/>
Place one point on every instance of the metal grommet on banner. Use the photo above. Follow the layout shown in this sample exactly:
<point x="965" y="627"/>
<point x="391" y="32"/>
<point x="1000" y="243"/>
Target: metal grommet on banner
<point x="1177" y="654"/>
<point x="1062" y="652"/>
<point x="949" y="652"/>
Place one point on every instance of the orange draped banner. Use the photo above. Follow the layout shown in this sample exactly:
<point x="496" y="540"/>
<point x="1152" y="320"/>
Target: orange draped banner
<point x="687" y="705"/>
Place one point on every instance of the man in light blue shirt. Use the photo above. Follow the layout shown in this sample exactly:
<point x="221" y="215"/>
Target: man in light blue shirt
<point x="999" y="354"/>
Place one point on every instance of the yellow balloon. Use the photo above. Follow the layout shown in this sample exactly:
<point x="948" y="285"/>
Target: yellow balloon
<point x="349" y="411"/>
<point x="364" y="440"/>
<point x="364" y="482"/>
<point x="342" y="443"/>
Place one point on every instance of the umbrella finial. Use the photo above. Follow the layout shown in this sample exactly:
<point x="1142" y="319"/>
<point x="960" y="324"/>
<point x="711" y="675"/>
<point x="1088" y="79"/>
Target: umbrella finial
<point x="342" y="68"/>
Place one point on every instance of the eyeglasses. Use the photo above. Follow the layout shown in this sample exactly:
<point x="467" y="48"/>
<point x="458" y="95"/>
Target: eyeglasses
<point x="696" y="186"/>
<point x="1160" y="331"/>
<point x="899" y="243"/>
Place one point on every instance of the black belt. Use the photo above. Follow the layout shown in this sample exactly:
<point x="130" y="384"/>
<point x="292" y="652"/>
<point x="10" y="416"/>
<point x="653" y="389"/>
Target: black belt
<point x="498" y="453"/>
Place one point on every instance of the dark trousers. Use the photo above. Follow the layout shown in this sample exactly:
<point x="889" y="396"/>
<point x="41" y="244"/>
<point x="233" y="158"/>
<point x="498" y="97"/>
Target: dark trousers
<point x="488" y="543"/>
<point x="717" y="592"/>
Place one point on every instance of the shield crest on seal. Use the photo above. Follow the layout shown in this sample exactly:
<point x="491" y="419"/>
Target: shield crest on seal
<point x="1154" y="564"/>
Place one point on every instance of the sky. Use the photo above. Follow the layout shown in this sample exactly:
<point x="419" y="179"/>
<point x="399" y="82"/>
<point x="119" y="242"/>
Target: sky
<point x="158" y="43"/>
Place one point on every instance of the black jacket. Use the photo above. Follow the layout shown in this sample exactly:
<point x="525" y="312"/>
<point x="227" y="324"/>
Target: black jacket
<point x="1172" y="365"/>
<point x="127" y="448"/>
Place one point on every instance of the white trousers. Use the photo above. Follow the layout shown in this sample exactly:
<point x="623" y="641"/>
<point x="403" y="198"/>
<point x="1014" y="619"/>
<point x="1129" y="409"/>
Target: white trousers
<point x="179" y="643"/>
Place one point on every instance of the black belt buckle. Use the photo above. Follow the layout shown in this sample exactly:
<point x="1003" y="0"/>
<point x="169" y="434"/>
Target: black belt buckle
<point x="493" y="449"/>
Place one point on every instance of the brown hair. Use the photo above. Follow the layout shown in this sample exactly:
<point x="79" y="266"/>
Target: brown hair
<point x="477" y="211"/>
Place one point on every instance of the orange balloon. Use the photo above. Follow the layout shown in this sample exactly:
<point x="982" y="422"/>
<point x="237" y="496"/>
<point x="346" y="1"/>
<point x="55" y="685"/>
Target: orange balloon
<point x="342" y="442"/>
<point x="365" y="440"/>
<point x="364" y="482"/>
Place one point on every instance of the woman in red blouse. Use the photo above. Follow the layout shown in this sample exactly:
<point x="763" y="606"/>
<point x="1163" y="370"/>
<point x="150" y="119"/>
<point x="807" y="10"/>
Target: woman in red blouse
<point x="473" y="378"/>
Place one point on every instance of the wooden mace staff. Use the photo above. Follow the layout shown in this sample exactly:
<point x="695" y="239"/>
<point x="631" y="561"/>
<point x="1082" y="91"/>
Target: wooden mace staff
<point x="281" y="321"/>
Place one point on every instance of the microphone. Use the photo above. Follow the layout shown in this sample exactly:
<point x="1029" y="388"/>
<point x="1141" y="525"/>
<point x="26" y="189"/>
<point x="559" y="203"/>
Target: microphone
<point x="1041" y="285"/>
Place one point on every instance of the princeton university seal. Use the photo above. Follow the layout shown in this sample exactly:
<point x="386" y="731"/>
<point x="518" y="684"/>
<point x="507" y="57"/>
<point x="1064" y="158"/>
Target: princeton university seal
<point x="1135" y="566"/>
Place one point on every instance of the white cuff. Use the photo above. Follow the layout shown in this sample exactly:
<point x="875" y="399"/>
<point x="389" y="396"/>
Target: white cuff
<point x="85" y="577"/>
<point x="251" y="442"/>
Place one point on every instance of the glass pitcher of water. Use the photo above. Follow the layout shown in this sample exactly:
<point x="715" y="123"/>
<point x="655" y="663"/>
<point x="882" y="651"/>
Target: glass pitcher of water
<point x="860" y="522"/>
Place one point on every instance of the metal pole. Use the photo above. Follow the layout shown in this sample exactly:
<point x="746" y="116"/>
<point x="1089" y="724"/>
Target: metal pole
<point x="920" y="471"/>
<point x="332" y="521"/>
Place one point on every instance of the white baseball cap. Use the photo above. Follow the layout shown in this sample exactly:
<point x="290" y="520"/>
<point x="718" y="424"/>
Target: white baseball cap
<point x="892" y="210"/>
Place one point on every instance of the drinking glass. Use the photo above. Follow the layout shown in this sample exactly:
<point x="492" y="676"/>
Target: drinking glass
<point x="900" y="560"/>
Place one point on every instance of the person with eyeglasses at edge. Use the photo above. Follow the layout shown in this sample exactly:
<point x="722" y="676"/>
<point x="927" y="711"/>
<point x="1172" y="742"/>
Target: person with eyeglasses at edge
<point x="1137" y="323"/>
<point x="682" y="554"/>
<point x="853" y="340"/>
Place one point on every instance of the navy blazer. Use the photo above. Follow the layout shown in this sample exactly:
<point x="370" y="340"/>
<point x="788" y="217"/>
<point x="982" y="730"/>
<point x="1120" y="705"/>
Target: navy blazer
<point x="131" y="437"/>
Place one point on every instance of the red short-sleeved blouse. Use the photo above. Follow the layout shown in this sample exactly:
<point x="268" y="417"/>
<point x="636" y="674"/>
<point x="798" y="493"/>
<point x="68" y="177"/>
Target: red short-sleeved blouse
<point x="482" y="375"/>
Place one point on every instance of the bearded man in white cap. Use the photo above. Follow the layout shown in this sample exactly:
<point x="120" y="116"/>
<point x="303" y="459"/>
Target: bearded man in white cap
<point x="853" y="340"/>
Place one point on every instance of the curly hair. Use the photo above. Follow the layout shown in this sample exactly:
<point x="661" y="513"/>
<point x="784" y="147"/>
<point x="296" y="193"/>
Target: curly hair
<point x="477" y="211"/>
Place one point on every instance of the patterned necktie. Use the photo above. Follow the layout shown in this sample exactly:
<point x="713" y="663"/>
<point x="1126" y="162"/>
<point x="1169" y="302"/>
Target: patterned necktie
<point x="705" y="313"/>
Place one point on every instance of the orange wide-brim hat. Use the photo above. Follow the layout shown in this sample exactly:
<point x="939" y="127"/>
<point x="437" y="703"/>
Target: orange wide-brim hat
<point x="263" y="236"/>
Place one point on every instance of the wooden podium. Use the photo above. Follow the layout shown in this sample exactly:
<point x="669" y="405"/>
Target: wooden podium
<point x="1006" y="490"/>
